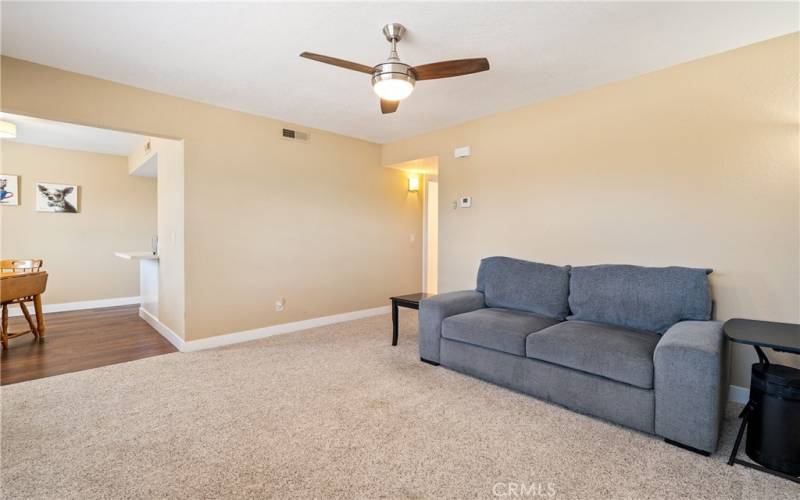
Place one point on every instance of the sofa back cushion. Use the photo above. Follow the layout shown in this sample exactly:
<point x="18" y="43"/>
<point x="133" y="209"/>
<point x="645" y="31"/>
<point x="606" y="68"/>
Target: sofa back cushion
<point x="526" y="286"/>
<point x="641" y="298"/>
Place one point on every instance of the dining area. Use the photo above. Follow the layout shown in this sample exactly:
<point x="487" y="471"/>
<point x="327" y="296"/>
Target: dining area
<point x="22" y="283"/>
<point x="71" y="198"/>
<point x="77" y="340"/>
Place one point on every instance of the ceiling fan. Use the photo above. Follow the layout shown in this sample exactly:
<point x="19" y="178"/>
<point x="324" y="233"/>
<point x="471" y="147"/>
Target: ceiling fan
<point x="394" y="80"/>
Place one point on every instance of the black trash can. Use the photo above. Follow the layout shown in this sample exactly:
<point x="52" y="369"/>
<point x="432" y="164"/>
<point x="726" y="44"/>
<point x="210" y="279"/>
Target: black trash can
<point x="773" y="429"/>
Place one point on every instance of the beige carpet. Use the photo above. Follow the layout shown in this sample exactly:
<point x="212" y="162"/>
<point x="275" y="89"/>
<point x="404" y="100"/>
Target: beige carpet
<point x="330" y="412"/>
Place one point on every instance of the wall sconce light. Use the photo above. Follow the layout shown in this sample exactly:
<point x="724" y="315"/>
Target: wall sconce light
<point x="413" y="184"/>
<point x="8" y="130"/>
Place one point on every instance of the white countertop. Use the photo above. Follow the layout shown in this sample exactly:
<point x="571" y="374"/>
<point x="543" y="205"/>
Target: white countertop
<point x="137" y="255"/>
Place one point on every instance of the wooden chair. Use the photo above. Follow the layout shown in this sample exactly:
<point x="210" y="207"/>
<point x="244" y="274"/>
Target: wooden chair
<point x="20" y="265"/>
<point x="22" y="281"/>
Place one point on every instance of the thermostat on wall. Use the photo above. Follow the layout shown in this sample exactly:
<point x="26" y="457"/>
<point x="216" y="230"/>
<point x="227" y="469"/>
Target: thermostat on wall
<point x="462" y="152"/>
<point x="465" y="202"/>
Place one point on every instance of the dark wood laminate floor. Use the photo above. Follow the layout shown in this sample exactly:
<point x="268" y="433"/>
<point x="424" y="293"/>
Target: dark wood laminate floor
<point x="80" y="340"/>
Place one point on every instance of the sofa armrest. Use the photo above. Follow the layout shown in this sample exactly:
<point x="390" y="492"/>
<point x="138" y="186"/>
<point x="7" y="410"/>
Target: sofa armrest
<point x="434" y="310"/>
<point x="691" y="366"/>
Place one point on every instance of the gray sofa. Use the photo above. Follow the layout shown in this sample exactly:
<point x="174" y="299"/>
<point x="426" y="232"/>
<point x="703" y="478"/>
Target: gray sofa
<point x="633" y="345"/>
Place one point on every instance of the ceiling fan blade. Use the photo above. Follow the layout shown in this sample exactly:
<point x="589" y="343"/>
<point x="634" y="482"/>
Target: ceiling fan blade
<point x="446" y="69"/>
<point x="338" y="62"/>
<point x="389" y="106"/>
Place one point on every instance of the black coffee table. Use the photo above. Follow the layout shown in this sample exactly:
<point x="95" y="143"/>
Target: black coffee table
<point x="774" y="403"/>
<point x="411" y="301"/>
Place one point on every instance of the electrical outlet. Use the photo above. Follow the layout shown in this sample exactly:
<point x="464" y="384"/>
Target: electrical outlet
<point x="280" y="304"/>
<point x="412" y="237"/>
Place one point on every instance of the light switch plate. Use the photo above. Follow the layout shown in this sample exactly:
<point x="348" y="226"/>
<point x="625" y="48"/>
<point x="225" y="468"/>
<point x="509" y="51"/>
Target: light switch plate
<point x="465" y="202"/>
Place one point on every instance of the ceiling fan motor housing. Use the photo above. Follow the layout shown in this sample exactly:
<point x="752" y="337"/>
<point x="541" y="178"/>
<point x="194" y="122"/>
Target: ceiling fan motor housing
<point x="393" y="71"/>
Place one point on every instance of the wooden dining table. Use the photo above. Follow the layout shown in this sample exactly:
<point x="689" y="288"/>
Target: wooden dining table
<point x="20" y="285"/>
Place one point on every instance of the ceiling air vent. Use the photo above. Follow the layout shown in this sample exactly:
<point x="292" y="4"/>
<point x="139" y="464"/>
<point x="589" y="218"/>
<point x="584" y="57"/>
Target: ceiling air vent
<point x="295" y="135"/>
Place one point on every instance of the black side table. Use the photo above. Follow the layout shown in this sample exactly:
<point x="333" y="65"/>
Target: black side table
<point x="411" y="301"/>
<point x="773" y="409"/>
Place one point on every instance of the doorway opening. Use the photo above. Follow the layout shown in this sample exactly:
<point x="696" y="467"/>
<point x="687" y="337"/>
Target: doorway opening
<point x="430" y="224"/>
<point x="88" y="205"/>
<point x="428" y="169"/>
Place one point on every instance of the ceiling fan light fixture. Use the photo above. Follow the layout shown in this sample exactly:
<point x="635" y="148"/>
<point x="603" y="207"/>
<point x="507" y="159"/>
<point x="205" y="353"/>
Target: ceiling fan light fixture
<point x="393" y="88"/>
<point x="393" y="81"/>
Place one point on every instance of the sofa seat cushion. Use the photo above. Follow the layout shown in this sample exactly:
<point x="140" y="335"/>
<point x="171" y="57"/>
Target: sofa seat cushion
<point x="605" y="350"/>
<point x="499" y="329"/>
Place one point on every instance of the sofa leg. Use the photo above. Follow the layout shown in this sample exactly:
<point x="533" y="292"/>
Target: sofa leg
<point x="434" y="363"/>
<point x="687" y="447"/>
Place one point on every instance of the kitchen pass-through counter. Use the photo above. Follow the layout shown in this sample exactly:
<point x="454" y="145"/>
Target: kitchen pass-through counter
<point x="148" y="278"/>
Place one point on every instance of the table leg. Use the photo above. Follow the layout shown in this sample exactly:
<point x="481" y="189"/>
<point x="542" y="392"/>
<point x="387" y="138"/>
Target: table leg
<point x="744" y="416"/>
<point x="4" y="326"/>
<point x="37" y="305"/>
<point x="762" y="358"/>
<point x="394" y="322"/>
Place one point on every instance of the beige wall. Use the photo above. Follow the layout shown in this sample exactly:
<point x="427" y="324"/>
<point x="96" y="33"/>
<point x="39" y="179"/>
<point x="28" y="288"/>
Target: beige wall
<point x="116" y="213"/>
<point x="321" y="224"/>
<point x="168" y="155"/>
<point x="695" y="165"/>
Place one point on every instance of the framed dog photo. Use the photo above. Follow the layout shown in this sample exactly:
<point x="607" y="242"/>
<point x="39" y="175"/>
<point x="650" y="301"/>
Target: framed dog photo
<point x="9" y="189"/>
<point x="59" y="198"/>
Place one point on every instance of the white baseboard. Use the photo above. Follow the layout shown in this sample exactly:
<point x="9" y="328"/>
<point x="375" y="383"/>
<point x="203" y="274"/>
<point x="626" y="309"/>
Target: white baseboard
<point x="268" y="331"/>
<point x="78" y="306"/>
<point x="211" y="342"/>
<point x="738" y="394"/>
<point x="258" y="333"/>
<point x="163" y="329"/>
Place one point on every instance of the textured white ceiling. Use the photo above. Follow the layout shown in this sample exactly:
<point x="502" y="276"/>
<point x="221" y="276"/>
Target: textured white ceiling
<point x="69" y="136"/>
<point x="244" y="56"/>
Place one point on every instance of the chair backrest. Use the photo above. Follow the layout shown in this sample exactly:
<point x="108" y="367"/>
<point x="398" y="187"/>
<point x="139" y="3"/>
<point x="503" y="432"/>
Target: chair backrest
<point x="20" y="265"/>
